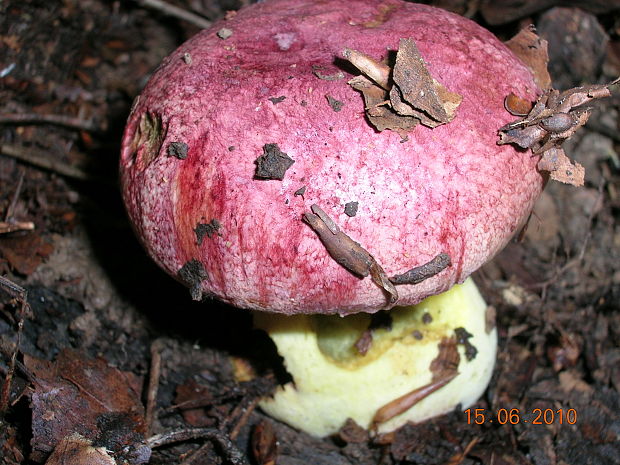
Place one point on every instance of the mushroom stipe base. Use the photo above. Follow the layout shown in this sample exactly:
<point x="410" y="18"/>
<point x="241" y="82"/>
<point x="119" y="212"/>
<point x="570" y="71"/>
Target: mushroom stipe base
<point x="333" y="381"/>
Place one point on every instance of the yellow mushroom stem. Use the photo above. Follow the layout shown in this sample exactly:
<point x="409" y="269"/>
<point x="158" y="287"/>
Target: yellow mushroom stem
<point x="417" y="366"/>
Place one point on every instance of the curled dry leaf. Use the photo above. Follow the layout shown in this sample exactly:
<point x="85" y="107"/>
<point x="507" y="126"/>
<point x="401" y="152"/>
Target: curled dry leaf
<point x="378" y="111"/>
<point x="374" y="70"/>
<point x="410" y="97"/>
<point x="560" y="167"/>
<point x="347" y="252"/>
<point x="532" y="50"/>
<point x="555" y="117"/>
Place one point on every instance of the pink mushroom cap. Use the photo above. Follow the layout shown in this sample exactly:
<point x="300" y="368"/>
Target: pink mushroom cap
<point x="191" y="143"/>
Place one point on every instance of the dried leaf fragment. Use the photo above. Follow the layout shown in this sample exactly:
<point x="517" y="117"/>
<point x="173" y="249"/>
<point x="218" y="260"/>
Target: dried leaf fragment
<point x="77" y="450"/>
<point x="78" y="394"/>
<point x="400" y="98"/>
<point x="264" y="443"/>
<point x="416" y="92"/>
<point x="317" y="70"/>
<point x="273" y="163"/>
<point x="346" y="252"/>
<point x="532" y="50"/>
<point x="335" y="104"/>
<point x="561" y="168"/>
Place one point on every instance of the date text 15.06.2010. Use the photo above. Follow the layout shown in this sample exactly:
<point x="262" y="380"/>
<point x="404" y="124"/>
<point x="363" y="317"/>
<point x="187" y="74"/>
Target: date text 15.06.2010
<point x="514" y="416"/>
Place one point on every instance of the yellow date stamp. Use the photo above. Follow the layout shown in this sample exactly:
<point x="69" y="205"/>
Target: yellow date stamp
<point x="514" y="416"/>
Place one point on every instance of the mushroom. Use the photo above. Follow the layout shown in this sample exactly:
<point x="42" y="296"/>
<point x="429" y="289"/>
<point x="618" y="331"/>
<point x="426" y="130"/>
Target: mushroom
<point x="243" y="151"/>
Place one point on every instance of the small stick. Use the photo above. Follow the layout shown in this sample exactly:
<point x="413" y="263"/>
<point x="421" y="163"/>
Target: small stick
<point x="59" y="120"/>
<point x="421" y="273"/>
<point x="378" y="72"/>
<point x="197" y="454"/>
<point x="6" y="227"/>
<point x="243" y="419"/>
<point x="40" y="159"/>
<point x="153" y="386"/>
<point x="18" y="189"/>
<point x="22" y="295"/>
<point x="233" y="454"/>
<point x="176" y="12"/>
<point x="458" y="458"/>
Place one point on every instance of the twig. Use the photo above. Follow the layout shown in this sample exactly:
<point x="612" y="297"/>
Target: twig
<point x="6" y="227"/>
<point x="151" y="395"/>
<point x="175" y="11"/>
<point x="18" y="189"/>
<point x="22" y="295"/>
<point x="197" y="454"/>
<point x="233" y="454"/>
<point x="458" y="458"/>
<point x="40" y="159"/>
<point x="204" y="401"/>
<point x="243" y="419"/>
<point x="59" y="120"/>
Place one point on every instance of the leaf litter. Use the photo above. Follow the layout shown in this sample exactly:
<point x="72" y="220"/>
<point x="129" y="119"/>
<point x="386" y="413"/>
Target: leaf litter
<point x="400" y="98"/>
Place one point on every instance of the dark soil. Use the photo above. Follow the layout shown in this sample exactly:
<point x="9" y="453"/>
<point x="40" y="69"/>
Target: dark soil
<point x="97" y="304"/>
